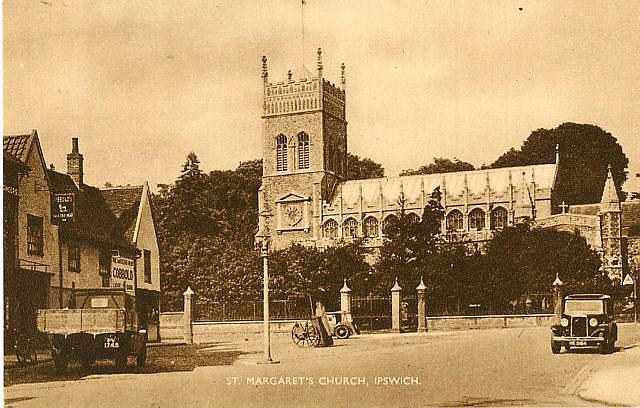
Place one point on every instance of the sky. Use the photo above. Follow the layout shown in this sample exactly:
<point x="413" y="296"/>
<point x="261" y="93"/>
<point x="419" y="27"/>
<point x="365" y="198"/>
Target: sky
<point x="143" y="83"/>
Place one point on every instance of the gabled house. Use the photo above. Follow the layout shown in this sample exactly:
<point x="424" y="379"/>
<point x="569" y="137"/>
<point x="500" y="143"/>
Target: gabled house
<point x="132" y="207"/>
<point x="30" y="239"/>
<point x="51" y="259"/>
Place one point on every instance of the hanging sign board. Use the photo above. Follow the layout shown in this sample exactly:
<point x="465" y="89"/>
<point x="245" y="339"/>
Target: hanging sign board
<point x="628" y="280"/>
<point x="122" y="274"/>
<point x="63" y="208"/>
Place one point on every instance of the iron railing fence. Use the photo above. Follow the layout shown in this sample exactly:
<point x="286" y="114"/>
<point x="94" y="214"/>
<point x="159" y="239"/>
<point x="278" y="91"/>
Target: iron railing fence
<point x="252" y="310"/>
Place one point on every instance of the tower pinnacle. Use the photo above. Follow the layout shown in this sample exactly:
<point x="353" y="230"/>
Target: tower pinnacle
<point x="320" y="62"/>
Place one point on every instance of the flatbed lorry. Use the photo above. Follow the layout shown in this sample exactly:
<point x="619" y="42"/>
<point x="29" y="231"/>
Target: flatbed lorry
<point x="103" y="323"/>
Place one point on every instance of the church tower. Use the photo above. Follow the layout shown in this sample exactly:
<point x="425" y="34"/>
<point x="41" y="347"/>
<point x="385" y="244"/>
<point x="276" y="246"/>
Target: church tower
<point x="611" y="229"/>
<point x="304" y="153"/>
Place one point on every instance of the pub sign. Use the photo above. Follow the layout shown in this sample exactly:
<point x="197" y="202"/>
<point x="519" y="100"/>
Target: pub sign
<point x="63" y="208"/>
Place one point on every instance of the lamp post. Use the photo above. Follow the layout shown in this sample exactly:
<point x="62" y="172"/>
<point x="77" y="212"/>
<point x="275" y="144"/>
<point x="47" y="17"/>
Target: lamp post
<point x="264" y="253"/>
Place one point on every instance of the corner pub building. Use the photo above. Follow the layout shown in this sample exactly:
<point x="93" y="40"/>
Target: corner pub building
<point x="305" y="197"/>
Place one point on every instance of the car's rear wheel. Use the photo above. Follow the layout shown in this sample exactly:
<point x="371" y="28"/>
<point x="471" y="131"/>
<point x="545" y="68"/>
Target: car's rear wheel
<point x="342" y="332"/>
<point x="555" y="347"/>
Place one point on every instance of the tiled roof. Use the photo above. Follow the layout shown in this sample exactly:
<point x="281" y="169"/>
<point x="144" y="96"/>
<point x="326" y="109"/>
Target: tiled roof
<point x="93" y="218"/>
<point x="16" y="146"/>
<point x="124" y="203"/>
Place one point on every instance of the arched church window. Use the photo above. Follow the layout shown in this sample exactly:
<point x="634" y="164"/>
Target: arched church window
<point x="413" y="218"/>
<point x="476" y="219"/>
<point x="281" y="153"/>
<point x="389" y="221"/>
<point x="330" y="229"/>
<point x="350" y="228"/>
<point x="370" y="227"/>
<point x="303" y="150"/>
<point x="454" y="221"/>
<point x="498" y="218"/>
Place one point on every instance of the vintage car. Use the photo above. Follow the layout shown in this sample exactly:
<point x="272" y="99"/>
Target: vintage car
<point x="587" y="321"/>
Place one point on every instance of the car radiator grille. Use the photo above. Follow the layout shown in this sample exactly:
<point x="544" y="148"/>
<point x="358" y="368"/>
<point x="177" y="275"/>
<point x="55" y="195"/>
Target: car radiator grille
<point x="579" y="326"/>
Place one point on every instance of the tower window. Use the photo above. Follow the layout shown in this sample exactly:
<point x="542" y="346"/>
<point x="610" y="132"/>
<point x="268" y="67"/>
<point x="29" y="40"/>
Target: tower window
<point x="303" y="150"/>
<point x="281" y="153"/>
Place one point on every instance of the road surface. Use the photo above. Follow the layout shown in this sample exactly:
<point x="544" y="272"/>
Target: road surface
<point x="463" y="368"/>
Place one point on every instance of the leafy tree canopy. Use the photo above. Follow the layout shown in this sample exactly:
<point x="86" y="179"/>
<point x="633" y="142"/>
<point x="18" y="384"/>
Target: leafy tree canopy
<point x="362" y="168"/>
<point x="585" y="152"/>
<point x="440" y="165"/>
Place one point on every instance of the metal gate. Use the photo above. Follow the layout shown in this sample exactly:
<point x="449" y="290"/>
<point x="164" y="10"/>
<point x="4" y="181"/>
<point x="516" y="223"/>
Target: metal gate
<point x="372" y="312"/>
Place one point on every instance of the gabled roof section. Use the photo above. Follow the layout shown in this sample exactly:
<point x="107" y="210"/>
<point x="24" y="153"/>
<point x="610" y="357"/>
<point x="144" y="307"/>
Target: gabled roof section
<point x="93" y="219"/>
<point x="124" y="203"/>
<point x="17" y="146"/>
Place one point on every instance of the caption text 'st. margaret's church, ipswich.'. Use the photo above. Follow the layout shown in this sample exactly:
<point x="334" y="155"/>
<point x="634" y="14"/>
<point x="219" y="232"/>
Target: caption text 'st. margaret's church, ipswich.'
<point x="305" y="197"/>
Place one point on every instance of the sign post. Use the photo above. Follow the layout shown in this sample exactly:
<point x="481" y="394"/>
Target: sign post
<point x="628" y="280"/>
<point x="123" y="274"/>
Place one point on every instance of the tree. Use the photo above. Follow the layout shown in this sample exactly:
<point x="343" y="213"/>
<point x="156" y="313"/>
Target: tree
<point x="362" y="168"/>
<point x="440" y="165"/>
<point x="521" y="260"/>
<point x="411" y="247"/>
<point x="585" y="152"/>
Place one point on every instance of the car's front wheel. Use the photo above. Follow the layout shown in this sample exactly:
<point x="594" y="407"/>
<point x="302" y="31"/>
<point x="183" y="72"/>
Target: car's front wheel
<point x="555" y="347"/>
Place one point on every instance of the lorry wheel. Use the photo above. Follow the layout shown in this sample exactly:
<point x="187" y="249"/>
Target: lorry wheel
<point x="555" y="347"/>
<point x="606" y="348"/>
<point x="141" y="357"/>
<point x="121" y="360"/>
<point x="60" y="361"/>
<point x="567" y="346"/>
<point x="342" y="332"/>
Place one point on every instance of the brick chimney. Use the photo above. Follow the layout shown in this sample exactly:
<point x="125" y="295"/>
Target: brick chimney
<point x="74" y="163"/>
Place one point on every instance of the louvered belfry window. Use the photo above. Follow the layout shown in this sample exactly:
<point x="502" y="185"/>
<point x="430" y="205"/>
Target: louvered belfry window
<point x="303" y="150"/>
<point x="281" y="153"/>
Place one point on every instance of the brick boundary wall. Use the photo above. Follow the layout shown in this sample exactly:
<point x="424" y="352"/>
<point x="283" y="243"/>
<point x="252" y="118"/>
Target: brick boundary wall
<point x="171" y="325"/>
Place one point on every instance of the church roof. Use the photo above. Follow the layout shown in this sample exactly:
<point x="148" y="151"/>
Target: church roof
<point x="454" y="183"/>
<point x="630" y="215"/>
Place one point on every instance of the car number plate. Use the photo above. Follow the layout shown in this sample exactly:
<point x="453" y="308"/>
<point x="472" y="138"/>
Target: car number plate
<point x="578" y="343"/>
<point x="110" y="342"/>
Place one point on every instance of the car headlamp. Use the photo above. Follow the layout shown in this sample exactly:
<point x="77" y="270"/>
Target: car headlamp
<point x="564" y="322"/>
<point x="593" y="322"/>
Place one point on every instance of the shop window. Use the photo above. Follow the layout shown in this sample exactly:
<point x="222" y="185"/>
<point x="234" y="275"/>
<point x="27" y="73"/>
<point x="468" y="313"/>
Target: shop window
<point x="35" y="240"/>
<point x="147" y="266"/>
<point x="73" y="257"/>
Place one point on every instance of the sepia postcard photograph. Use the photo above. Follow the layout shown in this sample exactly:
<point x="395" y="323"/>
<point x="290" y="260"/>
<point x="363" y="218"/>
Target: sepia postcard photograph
<point x="320" y="203"/>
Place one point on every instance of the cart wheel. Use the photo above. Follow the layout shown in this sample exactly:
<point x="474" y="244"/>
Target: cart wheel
<point x="342" y="332"/>
<point x="141" y="357"/>
<point x="304" y="335"/>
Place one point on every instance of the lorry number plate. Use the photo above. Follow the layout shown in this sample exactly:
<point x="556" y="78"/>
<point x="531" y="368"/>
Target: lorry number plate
<point x="578" y="343"/>
<point x="110" y="342"/>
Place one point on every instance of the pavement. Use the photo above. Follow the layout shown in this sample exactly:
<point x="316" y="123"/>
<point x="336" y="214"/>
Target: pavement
<point x="618" y="385"/>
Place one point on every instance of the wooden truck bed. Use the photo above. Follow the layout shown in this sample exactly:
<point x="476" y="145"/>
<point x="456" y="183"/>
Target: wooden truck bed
<point x="92" y="321"/>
